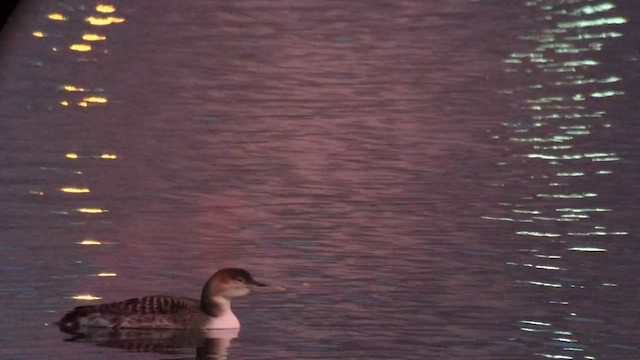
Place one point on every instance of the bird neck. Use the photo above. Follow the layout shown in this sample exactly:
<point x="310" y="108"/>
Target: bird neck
<point x="212" y="304"/>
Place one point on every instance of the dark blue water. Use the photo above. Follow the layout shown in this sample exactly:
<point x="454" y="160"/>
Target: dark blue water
<point x="443" y="179"/>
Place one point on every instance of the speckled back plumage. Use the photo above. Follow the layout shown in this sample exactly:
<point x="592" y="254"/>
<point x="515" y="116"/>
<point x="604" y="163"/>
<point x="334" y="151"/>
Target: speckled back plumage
<point x="146" y="305"/>
<point x="157" y="304"/>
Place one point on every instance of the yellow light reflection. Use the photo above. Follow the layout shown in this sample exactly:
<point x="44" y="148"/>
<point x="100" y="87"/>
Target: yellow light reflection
<point x="57" y="17"/>
<point x="93" y="37"/>
<point x="64" y="103"/>
<point x="38" y="34"/>
<point x="105" y="8"/>
<point x="95" y="99"/>
<point x="71" y="156"/>
<point x="102" y="21"/>
<point x="73" y="190"/>
<point x="109" y="156"/>
<point x="107" y="274"/>
<point x="89" y="242"/>
<point x="80" y="47"/>
<point x="86" y="297"/>
<point x="72" y="88"/>
<point x="91" y="210"/>
<point x="83" y="104"/>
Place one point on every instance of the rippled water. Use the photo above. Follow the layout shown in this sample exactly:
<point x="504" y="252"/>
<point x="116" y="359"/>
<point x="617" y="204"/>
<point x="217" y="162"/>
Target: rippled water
<point x="451" y="179"/>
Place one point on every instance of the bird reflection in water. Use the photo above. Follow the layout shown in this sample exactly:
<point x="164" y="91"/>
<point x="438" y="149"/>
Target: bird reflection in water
<point x="208" y="343"/>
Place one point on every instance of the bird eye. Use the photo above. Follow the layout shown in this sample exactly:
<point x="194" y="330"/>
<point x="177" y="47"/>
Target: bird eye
<point x="240" y="279"/>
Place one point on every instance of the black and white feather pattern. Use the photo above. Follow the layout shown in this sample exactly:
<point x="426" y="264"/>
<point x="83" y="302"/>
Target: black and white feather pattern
<point x="146" y="305"/>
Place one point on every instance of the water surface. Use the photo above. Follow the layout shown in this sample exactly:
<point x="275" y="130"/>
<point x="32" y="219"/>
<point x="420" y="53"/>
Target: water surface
<point x="450" y="179"/>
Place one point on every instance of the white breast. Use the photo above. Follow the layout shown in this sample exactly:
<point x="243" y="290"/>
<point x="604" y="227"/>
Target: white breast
<point x="228" y="320"/>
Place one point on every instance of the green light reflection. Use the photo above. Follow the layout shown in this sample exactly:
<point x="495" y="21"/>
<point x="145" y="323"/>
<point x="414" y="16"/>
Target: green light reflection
<point x="592" y="9"/>
<point x="589" y="23"/>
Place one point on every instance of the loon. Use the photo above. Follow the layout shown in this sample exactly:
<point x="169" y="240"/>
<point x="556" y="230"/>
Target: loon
<point x="212" y="311"/>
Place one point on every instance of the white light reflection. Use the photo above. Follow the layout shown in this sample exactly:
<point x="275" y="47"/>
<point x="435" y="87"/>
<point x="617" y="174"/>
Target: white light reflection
<point x="587" y="36"/>
<point x="575" y="216"/>
<point x="548" y="256"/>
<point x="567" y="340"/>
<point x="554" y="157"/>
<point x="525" y="211"/>
<point x="569" y="79"/>
<point x="572" y="349"/>
<point x="538" y="323"/>
<point x="587" y="249"/>
<point x="560" y="219"/>
<point x="537" y="234"/>
<point x="607" y="93"/>
<point x="545" y="284"/>
<point x="552" y="356"/>
<point x="596" y="233"/>
<point x="592" y="9"/>
<point x="568" y="196"/>
<point x="548" y="267"/>
<point x="590" y="23"/>
<point x="575" y="210"/>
